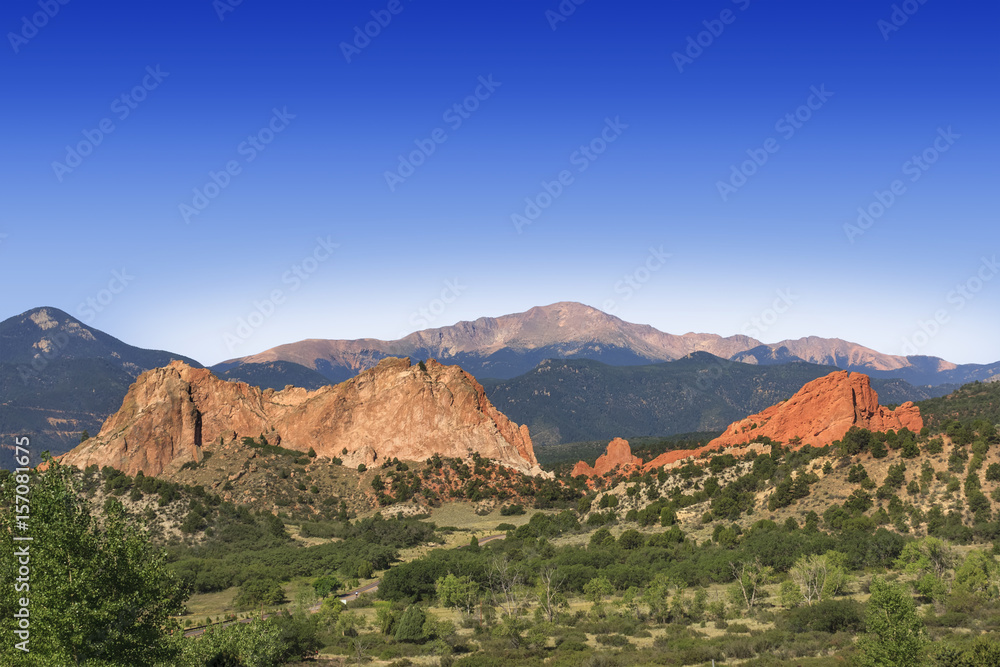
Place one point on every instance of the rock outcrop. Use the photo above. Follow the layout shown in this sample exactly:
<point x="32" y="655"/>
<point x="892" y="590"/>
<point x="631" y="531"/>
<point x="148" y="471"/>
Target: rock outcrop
<point x="617" y="455"/>
<point x="822" y="412"/>
<point x="818" y="414"/>
<point x="172" y="415"/>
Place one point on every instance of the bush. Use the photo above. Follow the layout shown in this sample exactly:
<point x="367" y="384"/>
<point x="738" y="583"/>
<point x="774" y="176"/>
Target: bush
<point x="612" y="640"/>
<point x="828" y="616"/>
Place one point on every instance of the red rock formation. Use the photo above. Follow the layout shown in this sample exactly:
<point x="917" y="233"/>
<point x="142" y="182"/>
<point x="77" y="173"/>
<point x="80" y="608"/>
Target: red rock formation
<point x="617" y="455"/>
<point x="822" y="412"/>
<point x="171" y="415"/>
<point x="818" y="414"/>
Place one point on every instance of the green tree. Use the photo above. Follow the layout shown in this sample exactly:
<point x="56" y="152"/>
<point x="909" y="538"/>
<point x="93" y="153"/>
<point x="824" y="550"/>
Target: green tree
<point x="256" y="644"/>
<point x="99" y="592"/>
<point x="895" y="634"/>
<point x="655" y="596"/>
<point x="460" y="592"/>
<point x="790" y="594"/>
<point x="329" y="613"/>
<point x="597" y="589"/>
<point x="819" y="576"/>
<point x="410" y="627"/>
<point x="326" y="585"/>
<point x="259" y="591"/>
<point x="975" y="576"/>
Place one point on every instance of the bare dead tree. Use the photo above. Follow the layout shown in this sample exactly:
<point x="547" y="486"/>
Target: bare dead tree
<point x="550" y="597"/>
<point x="507" y="585"/>
<point x="750" y="579"/>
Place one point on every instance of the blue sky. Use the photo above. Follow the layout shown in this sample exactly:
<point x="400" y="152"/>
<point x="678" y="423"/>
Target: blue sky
<point x="832" y="104"/>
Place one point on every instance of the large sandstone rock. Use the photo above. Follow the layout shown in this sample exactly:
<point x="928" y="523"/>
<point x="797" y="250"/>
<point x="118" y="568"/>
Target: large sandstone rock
<point x="617" y="455"/>
<point x="822" y="412"/>
<point x="171" y="415"/>
<point x="818" y="414"/>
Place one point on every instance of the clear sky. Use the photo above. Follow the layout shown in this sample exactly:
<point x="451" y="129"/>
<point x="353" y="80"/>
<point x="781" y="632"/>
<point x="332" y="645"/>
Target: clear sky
<point x="681" y="164"/>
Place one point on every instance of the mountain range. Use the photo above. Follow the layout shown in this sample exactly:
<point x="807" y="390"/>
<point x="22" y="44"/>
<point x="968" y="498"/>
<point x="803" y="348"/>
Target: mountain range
<point x="510" y="345"/>
<point x="59" y="377"/>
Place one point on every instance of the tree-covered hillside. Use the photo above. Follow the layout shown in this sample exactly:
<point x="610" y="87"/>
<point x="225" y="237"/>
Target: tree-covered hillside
<point x="579" y="400"/>
<point x="978" y="400"/>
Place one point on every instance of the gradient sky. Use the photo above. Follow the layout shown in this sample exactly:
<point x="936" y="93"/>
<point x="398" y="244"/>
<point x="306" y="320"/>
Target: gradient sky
<point x="188" y="283"/>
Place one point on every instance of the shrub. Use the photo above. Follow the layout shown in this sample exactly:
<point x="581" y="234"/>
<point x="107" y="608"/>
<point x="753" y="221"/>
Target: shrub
<point x="828" y="616"/>
<point x="612" y="640"/>
<point x="857" y="474"/>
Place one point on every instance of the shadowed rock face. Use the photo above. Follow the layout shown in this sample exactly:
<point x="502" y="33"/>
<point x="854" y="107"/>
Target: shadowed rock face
<point x="818" y="414"/>
<point x="171" y="415"/>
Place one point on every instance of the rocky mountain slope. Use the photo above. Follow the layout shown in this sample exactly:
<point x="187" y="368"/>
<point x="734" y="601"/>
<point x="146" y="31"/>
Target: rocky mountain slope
<point x="174" y="415"/>
<point x="502" y="347"/>
<point x="506" y="346"/>
<point x="59" y="376"/>
<point x="818" y="414"/>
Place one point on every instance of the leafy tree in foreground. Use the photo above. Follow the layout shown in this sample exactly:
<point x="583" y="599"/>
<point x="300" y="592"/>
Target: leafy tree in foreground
<point x="99" y="592"/>
<point x="895" y="635"/>
<point x="256" y="644"/>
